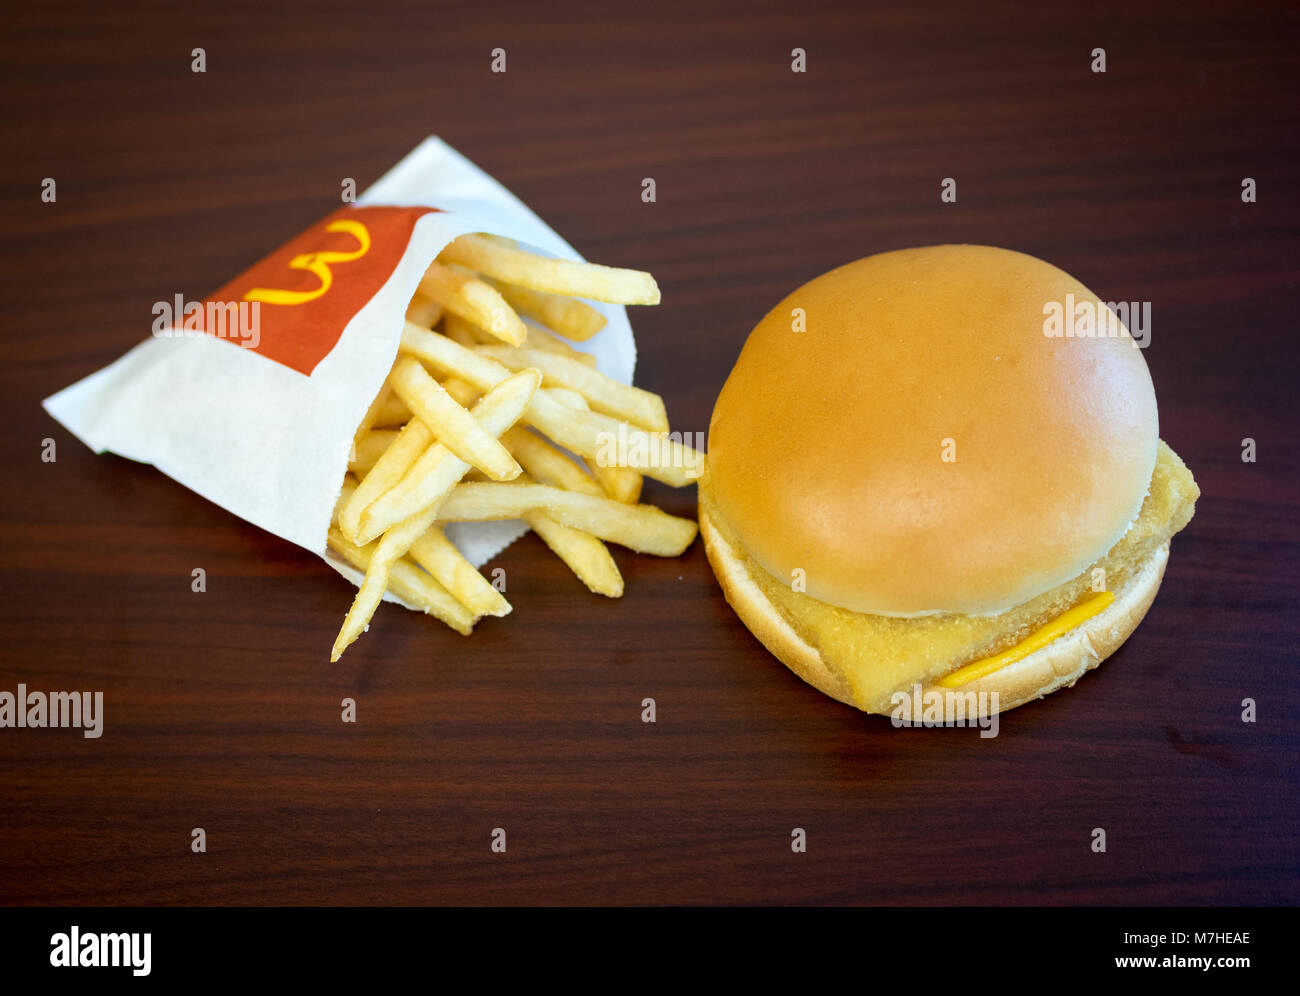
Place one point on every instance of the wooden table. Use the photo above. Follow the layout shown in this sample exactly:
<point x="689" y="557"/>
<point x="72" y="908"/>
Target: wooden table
<point x="222" y="709"/>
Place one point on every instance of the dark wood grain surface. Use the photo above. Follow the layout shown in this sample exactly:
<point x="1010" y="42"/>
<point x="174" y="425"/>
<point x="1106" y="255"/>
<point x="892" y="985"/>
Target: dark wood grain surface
<point x="222" y="709"/>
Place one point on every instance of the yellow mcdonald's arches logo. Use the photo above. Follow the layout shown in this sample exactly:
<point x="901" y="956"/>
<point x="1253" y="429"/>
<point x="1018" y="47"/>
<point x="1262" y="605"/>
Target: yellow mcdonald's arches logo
<point x="318" y="263"/>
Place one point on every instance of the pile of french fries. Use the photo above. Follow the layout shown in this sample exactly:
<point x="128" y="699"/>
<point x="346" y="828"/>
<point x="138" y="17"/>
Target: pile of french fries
<point x="490" y="413"/>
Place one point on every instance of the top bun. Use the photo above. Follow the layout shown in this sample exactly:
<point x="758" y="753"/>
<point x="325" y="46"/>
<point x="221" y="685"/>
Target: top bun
<point x="831" y="449"/>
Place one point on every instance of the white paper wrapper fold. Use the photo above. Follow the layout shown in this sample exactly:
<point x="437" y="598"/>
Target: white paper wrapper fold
<point x="271" y="444"/>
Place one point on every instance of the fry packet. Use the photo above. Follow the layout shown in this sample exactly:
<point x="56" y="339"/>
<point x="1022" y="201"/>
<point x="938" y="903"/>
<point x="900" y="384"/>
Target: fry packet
<point x="251" y="397"/>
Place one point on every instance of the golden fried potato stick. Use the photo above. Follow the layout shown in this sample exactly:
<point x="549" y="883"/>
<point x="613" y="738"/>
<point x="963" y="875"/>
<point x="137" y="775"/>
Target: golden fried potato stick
<point x="539" y="338"/>
<point x="346" y="492"/>
<point x="392" y="413"/>
<point x="423" y="311"/>
<point x="468" y="334"/>
<point x="564" y="316"/>
<point x="451" y="424"/>
<point x="406" y="580"/>
<point x="464" y="332"/>
<point x="372" y="414"/>
<point x="409" y="582"/>
<point x="620" y="483"/>
<point x="438" y="469"/>
<point x="603" y="394"/>
<point x="465" y="394"/>
<point x="605" y="441"/>
<point x="433" y="476"/>
<point x="448" y="566"/>
<point x="553" y="276"/>
<point x="549" y="465"/>
<point x="589" y="434"/>
<point x="388" y="471"/>
<point x="571" y="399"/>
<point x="474" y="300"/>
<point x="643" y="528"/>
<point x="585" y="555"/>
<point x="567" y="397"/>
<point x="367" y="451"/>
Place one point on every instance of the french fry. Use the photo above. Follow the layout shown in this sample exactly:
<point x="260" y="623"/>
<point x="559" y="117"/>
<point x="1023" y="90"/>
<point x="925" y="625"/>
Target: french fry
<point x="367" y="451"/>
<point x="451" y="424"/>
<point x="603" y="394"/>
<point x="451" y="358"/>
<point x="388" y="471"/>
<point x="539" y="338"/>
<point x="463" y="331"/>
<point x="499" y="410"/>
<point x="384" y="555"/>
<point x="406" y="581"/>
<point x="604" y="441"/>
<point x="392" y="413"/>
<point x="643" y="528"/>
<point x="585" y="555"/>
<point x="438" y="469"/>
<point x="589" y="434"/>
<point x="439" y="556"/>
<point x="423" y="311"/>
<point x="346" y="492"/>
<point x="473" y="299"/>
<point x="409" y="582"/>
<point x="547" y="464"/>
<point x="620" y="483"/>
<point x="572" y="399"/>
<point x="468" y="334"/>
<point x="465" y="394"/>
<point x="562" y="315"/>
<point x="553" y="276"/>
<point x="372" y="413"/>
<point x="439" y="444"/>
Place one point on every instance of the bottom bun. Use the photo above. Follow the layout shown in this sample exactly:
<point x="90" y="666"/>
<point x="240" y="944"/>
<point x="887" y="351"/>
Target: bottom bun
<point x="1058" y="665"/>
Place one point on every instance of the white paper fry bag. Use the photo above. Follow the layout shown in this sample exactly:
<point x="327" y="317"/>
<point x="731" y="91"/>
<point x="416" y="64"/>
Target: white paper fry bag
<point x="256" y="410"/>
